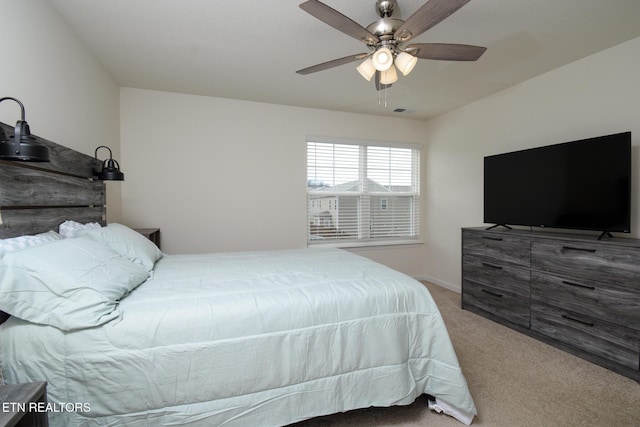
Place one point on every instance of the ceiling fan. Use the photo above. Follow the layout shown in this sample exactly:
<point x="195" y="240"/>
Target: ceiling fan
<point x="386" y="38"/>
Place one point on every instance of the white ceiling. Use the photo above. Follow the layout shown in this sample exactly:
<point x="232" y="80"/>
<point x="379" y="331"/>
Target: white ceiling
<point x="250" y="49"/>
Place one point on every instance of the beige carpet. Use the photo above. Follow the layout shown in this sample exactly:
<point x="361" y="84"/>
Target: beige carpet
<point x="515" y="381"/>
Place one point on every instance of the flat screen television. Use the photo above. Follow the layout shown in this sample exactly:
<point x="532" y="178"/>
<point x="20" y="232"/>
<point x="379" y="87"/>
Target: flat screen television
<point x="583" y="184"/>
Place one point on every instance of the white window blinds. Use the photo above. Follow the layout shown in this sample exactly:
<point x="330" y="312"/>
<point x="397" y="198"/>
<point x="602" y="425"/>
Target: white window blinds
<point x="362" y="193"/>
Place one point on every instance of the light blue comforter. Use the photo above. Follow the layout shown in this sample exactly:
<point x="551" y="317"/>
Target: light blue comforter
<point x="248" y="338"/>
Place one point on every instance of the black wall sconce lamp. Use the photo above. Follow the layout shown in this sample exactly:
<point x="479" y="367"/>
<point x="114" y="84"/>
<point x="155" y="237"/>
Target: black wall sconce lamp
<point x="22" y="145"/>
<point x="108" y="170"/>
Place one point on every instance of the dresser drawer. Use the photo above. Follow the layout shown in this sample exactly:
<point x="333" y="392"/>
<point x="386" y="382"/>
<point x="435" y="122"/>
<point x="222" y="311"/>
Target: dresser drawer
<point x="504" y="277"/>
<point x="608" y="341"/>
<point x="611" y="303"/>
<point x="497" y="246"/>
<point x="502" y="304"/>
<point x="598" y="262"/>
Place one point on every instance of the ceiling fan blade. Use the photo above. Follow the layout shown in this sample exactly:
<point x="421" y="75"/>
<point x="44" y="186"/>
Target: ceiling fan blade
<point x="331" y="64"/>
<point x="430" y="14"/>
<point x="338" y="21"/>
<point x="380" y="86"/>
<point x="446" y="51"/>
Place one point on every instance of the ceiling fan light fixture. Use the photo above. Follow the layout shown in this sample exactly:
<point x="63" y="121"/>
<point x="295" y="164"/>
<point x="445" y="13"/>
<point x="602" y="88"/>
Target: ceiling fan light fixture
<point x="405" y="62"/>
<point x="366" y="69"/>
<point x="382" y="59"/>
<point x="389" y="76"/>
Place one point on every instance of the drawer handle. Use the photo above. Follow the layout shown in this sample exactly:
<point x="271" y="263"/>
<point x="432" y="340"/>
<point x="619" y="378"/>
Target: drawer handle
<point x="578" y="285"/>
<point x="497" y="239"/>
<point x="564" y="316"/>
<point x="496" y="267"/>
<point x="573" y="248"/>
<point x="493" y="294"/>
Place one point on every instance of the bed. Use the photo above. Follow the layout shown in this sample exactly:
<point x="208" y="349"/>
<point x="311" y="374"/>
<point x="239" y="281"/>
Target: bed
<point x="127" y="335"/>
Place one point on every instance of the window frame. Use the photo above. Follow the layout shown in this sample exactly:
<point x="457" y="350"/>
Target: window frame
<point x="365" y="216"/>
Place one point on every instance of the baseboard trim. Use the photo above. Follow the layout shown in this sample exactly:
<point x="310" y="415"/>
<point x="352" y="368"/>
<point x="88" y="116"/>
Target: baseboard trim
<point x="441" y="283"/>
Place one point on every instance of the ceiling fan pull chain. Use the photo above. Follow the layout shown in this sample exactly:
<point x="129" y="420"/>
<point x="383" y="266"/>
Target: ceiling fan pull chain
<point x="382" y="100"/>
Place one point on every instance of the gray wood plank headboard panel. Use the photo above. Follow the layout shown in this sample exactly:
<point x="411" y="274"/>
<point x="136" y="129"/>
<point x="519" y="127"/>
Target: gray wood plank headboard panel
<point x="37" y="197"/>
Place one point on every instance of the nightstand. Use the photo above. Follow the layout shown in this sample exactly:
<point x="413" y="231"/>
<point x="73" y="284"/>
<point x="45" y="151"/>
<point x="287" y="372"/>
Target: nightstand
<point x="17" y="405"/>
<point x="152" y="234"/>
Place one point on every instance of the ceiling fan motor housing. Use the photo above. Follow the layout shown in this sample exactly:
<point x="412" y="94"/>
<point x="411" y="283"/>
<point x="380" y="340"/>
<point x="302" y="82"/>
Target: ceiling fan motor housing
<point x="386" y="27"/>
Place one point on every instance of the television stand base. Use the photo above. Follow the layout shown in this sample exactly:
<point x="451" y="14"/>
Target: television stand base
<point x="500" y="225"/>
<point x="604" y="234"/>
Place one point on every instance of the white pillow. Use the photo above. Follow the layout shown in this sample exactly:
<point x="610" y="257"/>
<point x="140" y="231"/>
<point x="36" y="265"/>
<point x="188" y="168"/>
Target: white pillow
<point x="70" y="228"/>
<point x="127" y="243"/>
<point x="22" y="242"/>
<point x="70" y="284"/>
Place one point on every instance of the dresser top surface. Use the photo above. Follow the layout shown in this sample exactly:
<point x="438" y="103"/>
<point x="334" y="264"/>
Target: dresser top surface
<point x="559" y="235"/>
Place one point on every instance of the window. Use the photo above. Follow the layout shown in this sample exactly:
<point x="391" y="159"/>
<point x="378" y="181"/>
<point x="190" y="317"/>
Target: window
<point x="371" y="189"/>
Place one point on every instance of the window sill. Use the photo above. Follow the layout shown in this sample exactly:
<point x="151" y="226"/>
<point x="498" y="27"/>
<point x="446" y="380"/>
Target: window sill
<point x="373" y="245"/>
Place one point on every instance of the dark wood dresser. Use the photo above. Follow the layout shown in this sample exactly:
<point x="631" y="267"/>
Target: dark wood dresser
<point x="23" y="405"/>
<point x="572" y="291"/>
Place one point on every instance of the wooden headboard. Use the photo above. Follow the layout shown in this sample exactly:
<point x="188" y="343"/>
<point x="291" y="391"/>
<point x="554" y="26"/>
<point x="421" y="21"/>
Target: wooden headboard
<point x="37" y="197"/>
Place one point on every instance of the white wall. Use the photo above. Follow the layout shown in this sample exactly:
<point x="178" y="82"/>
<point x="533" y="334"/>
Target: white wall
<point x="181" y="153"/>
<point x="595" y="96"/>
<point x="68" y="96"/>
<point x="225" y="175"/>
